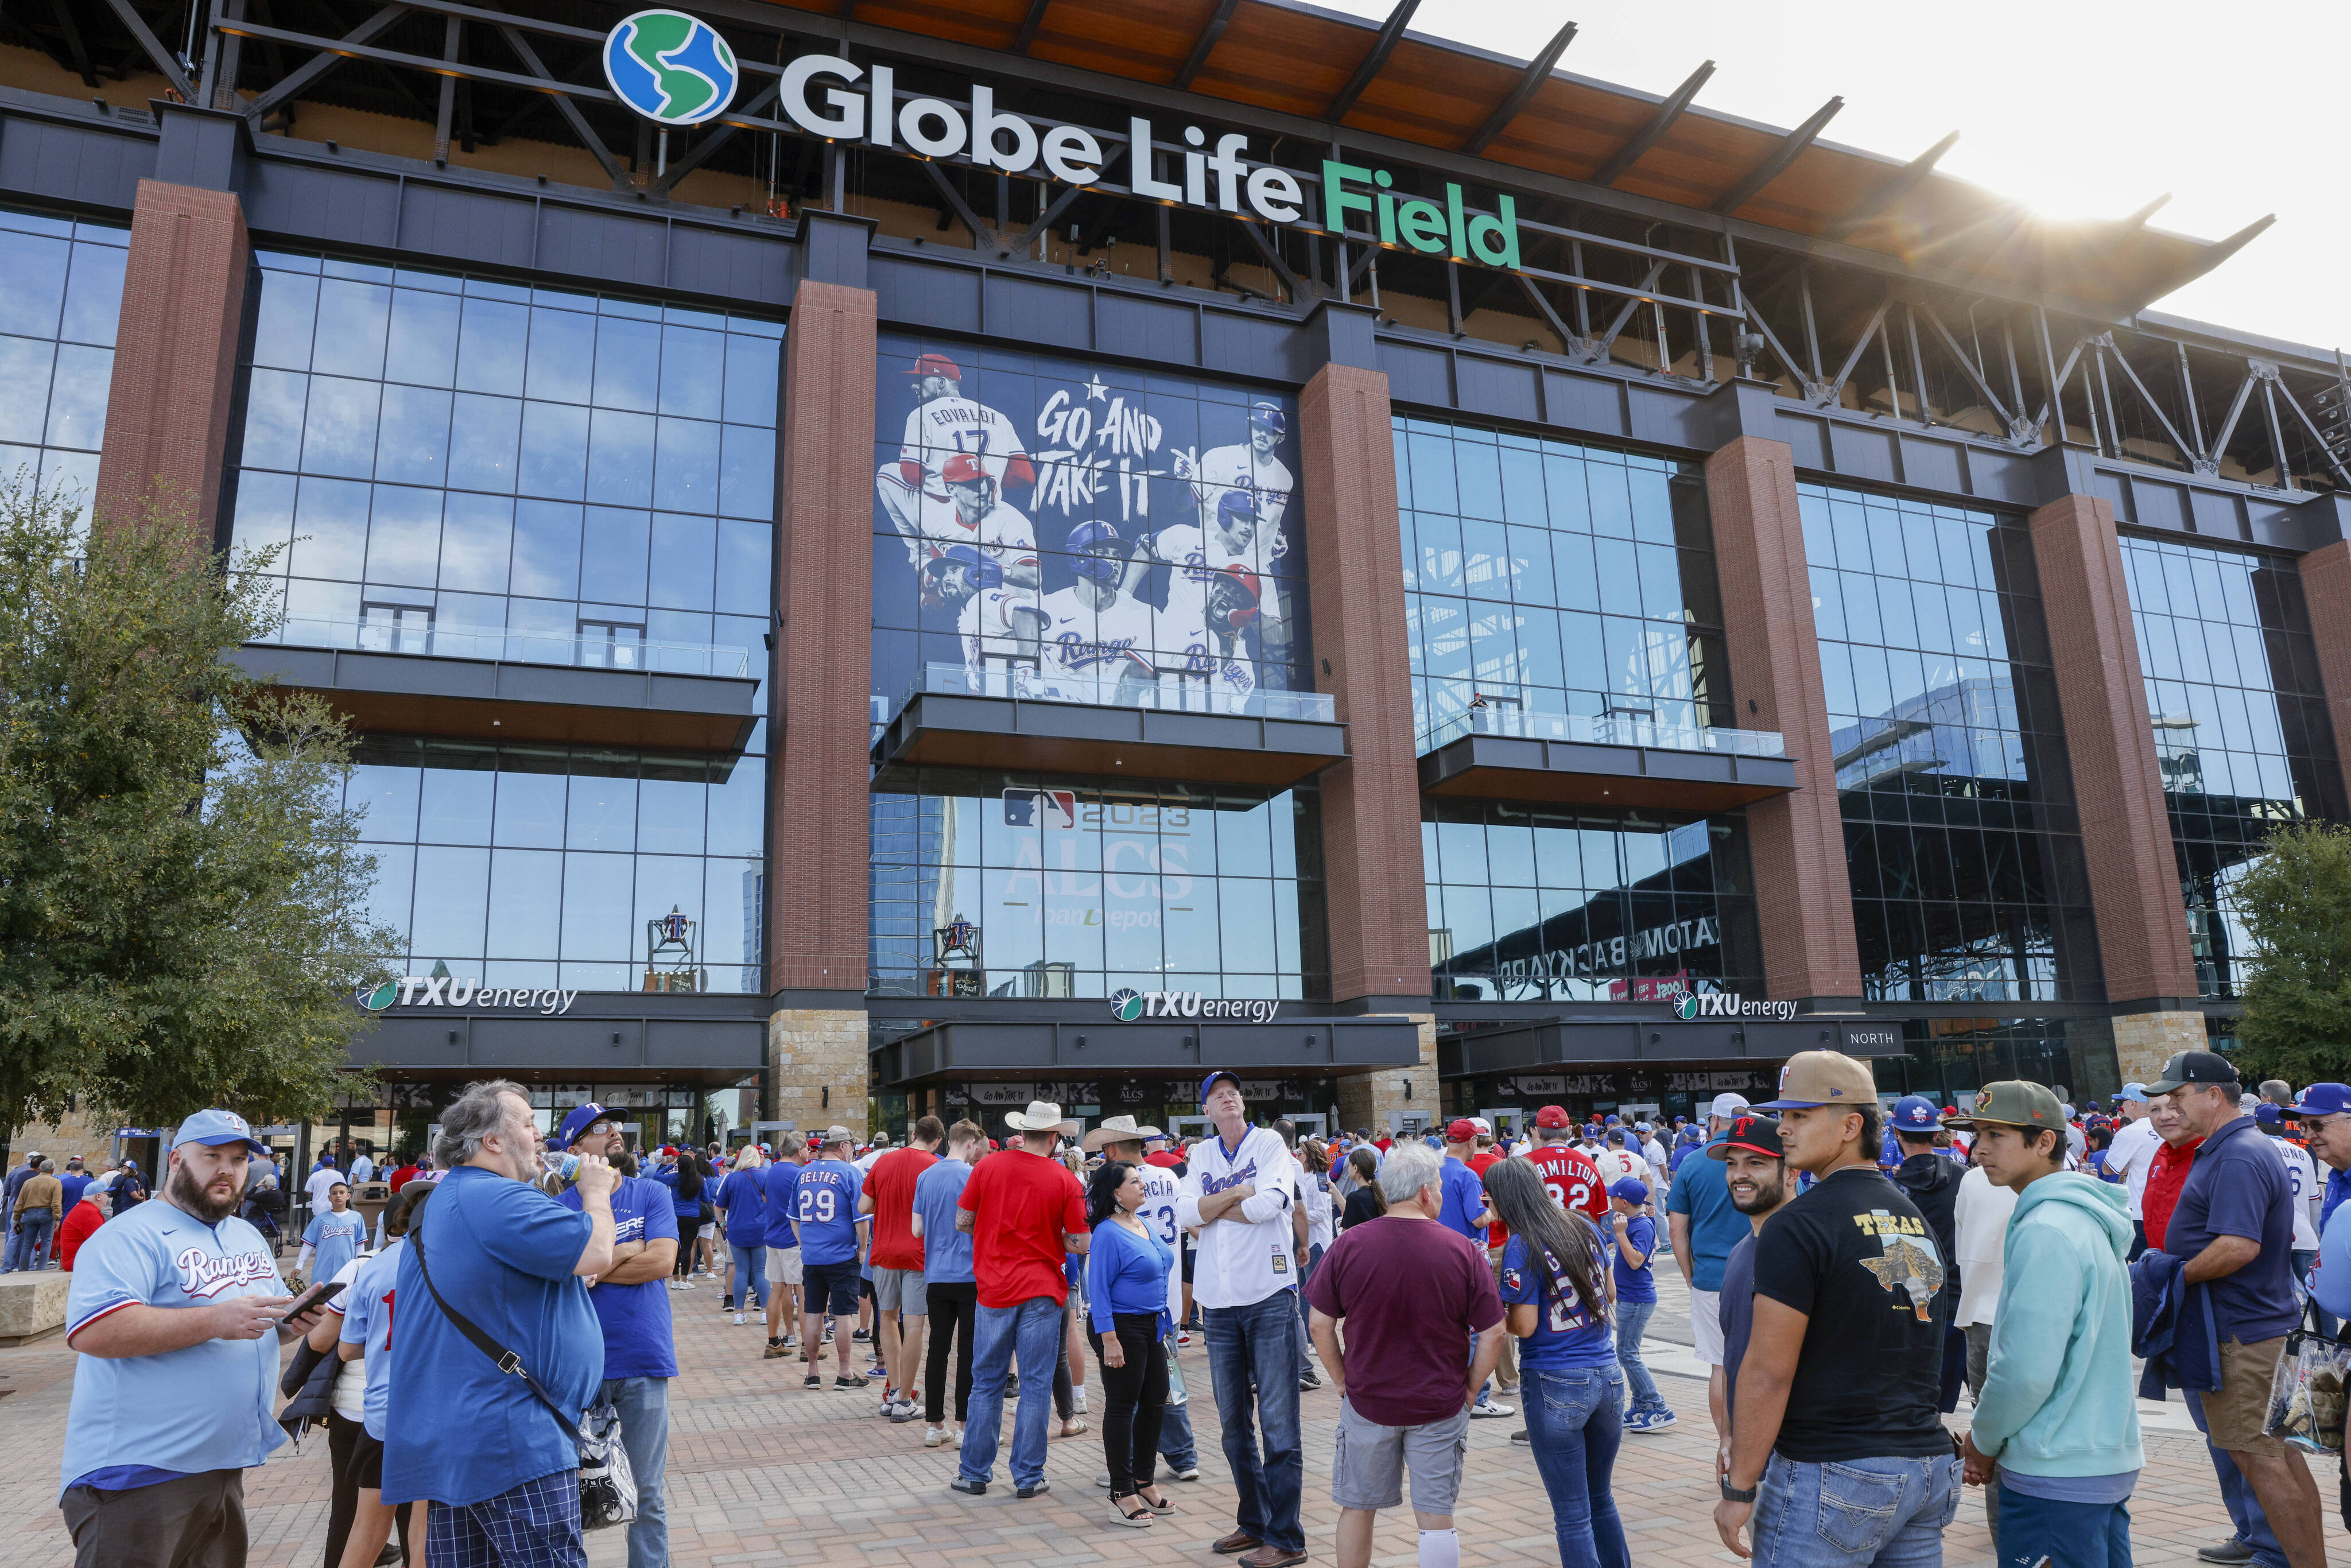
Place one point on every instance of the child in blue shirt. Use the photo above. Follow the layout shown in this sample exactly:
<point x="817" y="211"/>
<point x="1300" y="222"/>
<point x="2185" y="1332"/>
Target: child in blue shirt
<point x="334" y="1237"/>
<point x="1634" y="1235"/>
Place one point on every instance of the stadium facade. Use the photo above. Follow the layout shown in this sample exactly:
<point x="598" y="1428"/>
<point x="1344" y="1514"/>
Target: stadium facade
<point x="894" y="559"/>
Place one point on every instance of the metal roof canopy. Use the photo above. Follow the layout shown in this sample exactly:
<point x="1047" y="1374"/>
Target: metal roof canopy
<point x="1564" y="1040"/>
<point x="1175" y="1047"/>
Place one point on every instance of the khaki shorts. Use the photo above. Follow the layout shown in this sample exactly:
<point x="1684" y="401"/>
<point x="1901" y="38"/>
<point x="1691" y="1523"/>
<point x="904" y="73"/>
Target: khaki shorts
<point x="2234" y="1415"/>
<point x="784" y="1265"/>
<point x="1706" y="1322"/>
<point x="1368" y="1469"/>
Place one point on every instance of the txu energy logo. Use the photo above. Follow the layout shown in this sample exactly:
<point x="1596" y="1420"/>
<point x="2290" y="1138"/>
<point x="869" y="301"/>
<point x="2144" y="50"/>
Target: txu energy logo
<point x="1126" y="1006"/>
<point x="1729" y="1005"/>
<point x="669" y="67"/>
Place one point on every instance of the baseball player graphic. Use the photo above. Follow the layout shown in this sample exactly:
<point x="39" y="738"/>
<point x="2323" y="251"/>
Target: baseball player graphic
<point x="1193" y="555"/>
<point x="975" y="516"/>
<point x="1252" y="468"/>
<point x="997" y="626"/>
<point x="1233" y="597"/>
<point x="1094" y="634"/>
<point x="942" y="423"/>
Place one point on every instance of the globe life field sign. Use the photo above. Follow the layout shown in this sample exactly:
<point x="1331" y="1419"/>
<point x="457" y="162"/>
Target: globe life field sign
<point x="670" y="68"/>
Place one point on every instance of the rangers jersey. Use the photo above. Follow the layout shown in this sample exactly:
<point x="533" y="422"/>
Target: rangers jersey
<point x="1268" y="482"/>
<point x="1086" y="646"/>
<point x="1572" y="1181"/>
<point x="939" y="429"/>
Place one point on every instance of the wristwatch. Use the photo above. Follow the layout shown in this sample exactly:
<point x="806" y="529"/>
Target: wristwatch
<point x="1732" y="1494"/>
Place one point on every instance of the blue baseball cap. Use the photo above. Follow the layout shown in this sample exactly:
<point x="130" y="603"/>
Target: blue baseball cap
<point x="1268" y="415"/>
<point x="2324" y="1100"/>
<point x="1210" y="1082"/>
<point x="2134" y="1092"/>
<point x="581" y="1118"/>
<point x="1631" y="1189"/>
<point x="217" y="1127"/>
<point x="2269" y="1115"/>
<point x="1085" y="536"/>
<point x="1916" y="1113"/>
<point x="1236" y="504"/>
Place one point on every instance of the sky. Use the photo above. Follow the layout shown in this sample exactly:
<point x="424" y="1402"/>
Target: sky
<point x="2078" y="108"/>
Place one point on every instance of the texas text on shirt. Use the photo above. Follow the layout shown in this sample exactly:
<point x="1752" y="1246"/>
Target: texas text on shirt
<point x="1241" y="1263"/>
<point x="219" y="1393"/>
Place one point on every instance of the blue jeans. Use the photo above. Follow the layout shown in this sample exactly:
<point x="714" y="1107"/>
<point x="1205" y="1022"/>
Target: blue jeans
<point x="2065" y="1534"/>
<point x="2245" y="1515"/>
<point x="750" y="1276"/>
<point x="1257" y="1345"/>
<point x="1632" y="1323"/>
<point x="28" y="1244"/>
<point x="1888" y="1512"/>
<point x="1574" y="1422"/>
<point x="1034" y="1330"/>
<point x="1306" y="1340"/>
<point x="643" y="1405"/>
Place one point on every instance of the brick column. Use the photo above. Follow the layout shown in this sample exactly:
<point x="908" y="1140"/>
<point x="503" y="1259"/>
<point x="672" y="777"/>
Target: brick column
<point x="819" y="810"/>
<point x="1375" y="892"/>
<point x="1803" y="892"/>
<point x="2110" y="746"/>
<point x="175" y="356"/>
<point x="2327" y="589"/>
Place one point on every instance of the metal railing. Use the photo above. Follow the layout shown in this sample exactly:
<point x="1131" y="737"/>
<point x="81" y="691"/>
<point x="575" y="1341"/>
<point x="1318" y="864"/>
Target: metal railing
<point x="1168" y="693"/>
<point x="1605" y="729"/>
<point x="585" y="651"/>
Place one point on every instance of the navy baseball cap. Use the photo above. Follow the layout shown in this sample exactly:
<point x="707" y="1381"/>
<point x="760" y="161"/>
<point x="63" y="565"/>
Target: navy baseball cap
<point x="217" y="1127"/>
<point x="2324" y="1100"/>
<point x="2269" y="1115"/>
<point x="1916" y="1113"/>
<point x="581" y="1118"/>
<point x="1209" y="1082"/>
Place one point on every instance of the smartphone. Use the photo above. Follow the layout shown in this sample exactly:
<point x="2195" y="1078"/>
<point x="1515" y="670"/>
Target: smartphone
<point x="315" y="1296"/>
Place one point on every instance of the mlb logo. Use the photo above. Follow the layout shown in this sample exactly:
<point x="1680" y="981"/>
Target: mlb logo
<point x="1021" y="806"/>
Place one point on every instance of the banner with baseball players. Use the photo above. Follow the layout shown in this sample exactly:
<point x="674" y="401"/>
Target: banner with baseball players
<point x="1060" y="531"/>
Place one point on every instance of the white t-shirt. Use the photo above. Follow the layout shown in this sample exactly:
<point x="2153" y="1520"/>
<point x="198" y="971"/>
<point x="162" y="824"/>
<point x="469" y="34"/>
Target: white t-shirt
<point x="1242" y="1260"/>
<point x="1616" y="1164"/>
<point x="2301" y="1174"/>
<point x="321" y="1182"/>
<point x="350" y="1395"/>
<point x="1979" y="1217"/>
<point x="2132" y="1154"/>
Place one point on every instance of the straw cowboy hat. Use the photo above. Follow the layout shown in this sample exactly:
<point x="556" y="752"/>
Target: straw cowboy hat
<point x="1043" y="1116"/>
<point x="1119" y="1130"/>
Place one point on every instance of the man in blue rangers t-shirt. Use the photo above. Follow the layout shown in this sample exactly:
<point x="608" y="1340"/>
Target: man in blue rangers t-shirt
<point x="824" y="1206"/>
<point x="632" y="1301"/>
<point x="500" y="1470"/>
<point x="175" y="1307"/>
<point x="778" y="1195"/>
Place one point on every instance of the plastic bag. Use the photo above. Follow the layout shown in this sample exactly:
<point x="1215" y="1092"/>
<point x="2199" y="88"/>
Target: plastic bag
<point x="2307" y="1393"/>
<point x="608" y="1487"/>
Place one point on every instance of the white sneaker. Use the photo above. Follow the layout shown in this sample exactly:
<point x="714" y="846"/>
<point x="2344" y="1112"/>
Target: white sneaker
<point x="739" y="1320"/>
<point x="935" y="1436"/>
<point x="958" y="1436"/>
<point x="685" y="1284"/>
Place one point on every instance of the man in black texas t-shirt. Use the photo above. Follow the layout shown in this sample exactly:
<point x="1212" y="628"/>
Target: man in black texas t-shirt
<point x="1837" y="1451"/>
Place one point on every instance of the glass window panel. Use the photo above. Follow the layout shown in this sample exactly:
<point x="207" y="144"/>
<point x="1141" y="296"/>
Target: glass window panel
<point x="753" y="372"/>
<point x="423" y="349"/>
<point x="613" y="556"/>
<point x="353" y="319"/>
<point x="455" y="795"/>
<point x="493" y="341"/>
<point x="451" y="900"/>
<point x="272" y="436"/>
<point x="404" y="536"/>
<point x="265" y="515"/>
<point x="621" y="457"/>
<point x="554" y="451"/>
<point x="746" y="472"/>
<point x="601" y="814"/>
<point x="692" y="372"/>
<point x="24" y="365"/>
<point x="628" y="364"/>
<point x="339" y="427"/>
<point x="330" y="526"/>
<point x="77" y="396"/>
<point x="598" y="902"/>
<point x="530" y="803"/>
<point x="525" y="902"/>
<point x="33" y="300"/>
<point x="412" y="440"/>
<point x="685" y="470"/>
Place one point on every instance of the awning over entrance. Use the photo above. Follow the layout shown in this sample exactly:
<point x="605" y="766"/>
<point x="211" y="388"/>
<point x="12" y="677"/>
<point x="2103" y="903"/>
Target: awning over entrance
<point x="1177" y="1047"/>
<point x="1509" y="767"/>
<point x="1572" y="1041"/>
<point x="712" y="1039"/>
<point x="1074" y="737"/>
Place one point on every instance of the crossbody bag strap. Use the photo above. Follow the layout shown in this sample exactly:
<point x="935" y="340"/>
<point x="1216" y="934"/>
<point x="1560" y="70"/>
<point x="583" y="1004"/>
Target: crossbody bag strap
<point x="506" y="1361"/>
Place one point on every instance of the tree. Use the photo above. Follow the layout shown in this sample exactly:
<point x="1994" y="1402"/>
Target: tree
<point x="2295" y="902"/>
<point x="182" y="909"/>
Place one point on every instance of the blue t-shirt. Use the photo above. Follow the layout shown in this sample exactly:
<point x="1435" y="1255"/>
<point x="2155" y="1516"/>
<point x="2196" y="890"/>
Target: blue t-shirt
<point x="824" y="1203"/>
<point x="1565" y="1334"/>
<point x="210" y="1406"/>
<point x="1701" y="1189"/>
<point x="337" y="1239"/>
<point x="367" y="1321"/>
<point x="1638" y="1284"/>
<point x="946" y="1251"/>
<point x="742" y="1199"/>
<point x="1465" y="1198"/>
<point x="637" y="1340"/>
<point x="778" y="1192"/>
<point x="456" y="1430"/>
<point x="2238" y="1186"/>
<point x="680" y="1206"/>
<point x="73" y="1182"/>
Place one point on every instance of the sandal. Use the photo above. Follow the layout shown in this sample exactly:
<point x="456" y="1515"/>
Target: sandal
<point x="1140" y="1519"/>
<point x="1074" y="1425"/>
<point x="1160" y="1505"/>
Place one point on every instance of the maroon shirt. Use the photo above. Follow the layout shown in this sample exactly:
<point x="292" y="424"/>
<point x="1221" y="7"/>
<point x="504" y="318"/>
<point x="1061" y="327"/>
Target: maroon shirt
<point x="1413" y="1294"/>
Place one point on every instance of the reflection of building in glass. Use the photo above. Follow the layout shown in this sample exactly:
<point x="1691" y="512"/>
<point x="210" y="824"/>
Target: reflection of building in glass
<point x="910" y="849"/>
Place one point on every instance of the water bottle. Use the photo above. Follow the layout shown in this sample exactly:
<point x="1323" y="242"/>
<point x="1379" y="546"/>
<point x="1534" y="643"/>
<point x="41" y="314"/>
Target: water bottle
<point x="563" y="1166"/>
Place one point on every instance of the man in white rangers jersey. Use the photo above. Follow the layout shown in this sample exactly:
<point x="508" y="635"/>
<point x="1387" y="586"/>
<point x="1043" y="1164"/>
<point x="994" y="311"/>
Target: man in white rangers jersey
<point x="1097" y="640"/>
<point x="975" y="517"/>
<point x="942" y="423"/>
<point x="1118" y="1138"/>
<point x="1252" y="468"/>
<point x="1197" y="557"/>
<point x="995" y="626"/>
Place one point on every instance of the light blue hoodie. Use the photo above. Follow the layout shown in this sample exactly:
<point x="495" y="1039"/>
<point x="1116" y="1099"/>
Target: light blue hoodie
<point x="2059" y="1397"/>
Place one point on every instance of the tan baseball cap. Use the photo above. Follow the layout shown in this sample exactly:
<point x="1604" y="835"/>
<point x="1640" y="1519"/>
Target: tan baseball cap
<point x="1816" y="1078"/>
<point x="2012" y="1103"/>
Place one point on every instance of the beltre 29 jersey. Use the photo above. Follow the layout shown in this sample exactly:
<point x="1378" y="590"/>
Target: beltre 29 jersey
<point x="1572" y="1181"/>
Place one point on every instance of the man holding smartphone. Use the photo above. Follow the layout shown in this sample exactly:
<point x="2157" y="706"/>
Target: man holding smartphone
<point x="178" y="1311"/>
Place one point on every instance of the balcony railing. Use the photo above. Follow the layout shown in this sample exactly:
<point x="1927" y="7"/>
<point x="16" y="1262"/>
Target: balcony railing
<point x="1167" y="692"/>
<point x="586" y="651"/>
<point x="1607" y="729"/>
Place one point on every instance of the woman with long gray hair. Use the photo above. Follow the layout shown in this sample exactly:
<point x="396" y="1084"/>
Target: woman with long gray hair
<point x="1557" y="1291"/>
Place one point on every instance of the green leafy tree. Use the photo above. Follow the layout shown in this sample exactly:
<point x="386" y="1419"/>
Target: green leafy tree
<point x="2295" y="902"/>
<point x="182" y="907"/>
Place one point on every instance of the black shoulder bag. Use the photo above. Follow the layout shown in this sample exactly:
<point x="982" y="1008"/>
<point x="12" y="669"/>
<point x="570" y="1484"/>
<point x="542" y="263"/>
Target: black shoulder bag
<point x="608" y="1487"/>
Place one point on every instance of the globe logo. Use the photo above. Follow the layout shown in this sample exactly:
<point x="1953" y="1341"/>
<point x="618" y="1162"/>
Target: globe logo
<point x="1686" y="1006"/>
<point x="669" y="67"/>
<point x="375" y="998"/>
<point x="1126" y="1005"/>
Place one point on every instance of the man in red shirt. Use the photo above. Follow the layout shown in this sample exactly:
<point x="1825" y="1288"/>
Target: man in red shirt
<point x="80" y="1221"/>
<point x="405" y="1174"/>
<point x="1571" y="1178"/>
<point x="1161" y="1154"/>
<point x="1024" y="1212"/>
<point x="2168" y="1173"/>
<point x="899" y="1308"/>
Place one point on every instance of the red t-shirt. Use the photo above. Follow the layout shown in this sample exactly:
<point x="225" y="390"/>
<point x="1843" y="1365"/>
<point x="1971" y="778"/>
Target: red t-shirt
<point x="1164" y="1160"/>
<point x="80" y="1220"/>
<point x="1496" y="1233"/>
<point x="403" y="1176"/>
<point x="1383" y="1144"/>
<point x="1572" y="1180"/>
<point x="891" y="1185"/>
<point x="2167" y="1174"/>
<point x="1025" y="1204"/>
<point x="1411" y="1293"/>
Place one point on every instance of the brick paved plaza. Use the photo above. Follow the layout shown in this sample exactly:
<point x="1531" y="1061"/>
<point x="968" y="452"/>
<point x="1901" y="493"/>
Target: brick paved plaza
<point x="765" y="1473"/>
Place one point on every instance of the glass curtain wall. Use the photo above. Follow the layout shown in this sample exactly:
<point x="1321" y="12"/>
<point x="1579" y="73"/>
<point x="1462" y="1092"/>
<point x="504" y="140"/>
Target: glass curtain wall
<point x="60" y="298"/>
<point x="2241" y="725"/>
<point x="473" y="467"/>
<point x="1960" y="832"/>
<point x="1544" y="578"/>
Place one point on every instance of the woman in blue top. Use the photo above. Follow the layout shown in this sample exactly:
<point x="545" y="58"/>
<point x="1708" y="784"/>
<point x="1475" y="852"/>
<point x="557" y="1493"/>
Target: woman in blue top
<point x="742" y="1213"/>
<point x="1557" y="1289"/>
<point x="1126" y="1298"/>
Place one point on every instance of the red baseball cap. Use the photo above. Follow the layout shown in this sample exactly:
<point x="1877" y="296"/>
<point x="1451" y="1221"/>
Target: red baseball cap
<point x="1462" y="1131"/>
<point x="961" y="468"/>
<point x="1552" y="1116"/>
<point x="937" y="365"/>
